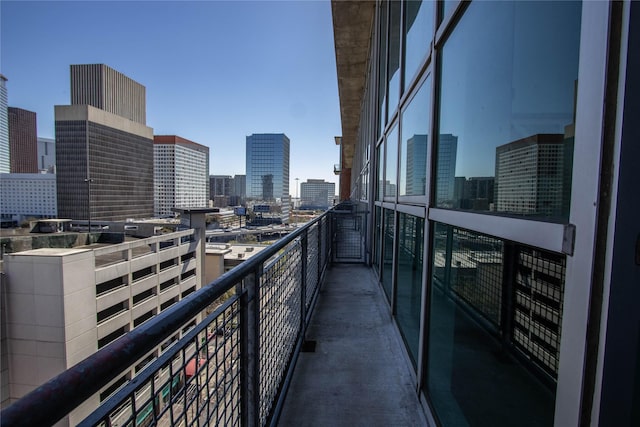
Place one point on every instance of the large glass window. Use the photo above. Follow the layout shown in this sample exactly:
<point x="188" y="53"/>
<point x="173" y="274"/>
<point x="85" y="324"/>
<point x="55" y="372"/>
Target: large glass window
<point x="376" y="239"/>
<point x="418" y="35"/>
<point x="388" y="230"/>
<point x="394" y="55"/>
<point x="391" y="164"/>
<point x="507" y="101"/>
<point x="409" y="293"/>
<point x="494" y="330"/>
<point x="382" y="67"/>
<point x="415" y="122"/>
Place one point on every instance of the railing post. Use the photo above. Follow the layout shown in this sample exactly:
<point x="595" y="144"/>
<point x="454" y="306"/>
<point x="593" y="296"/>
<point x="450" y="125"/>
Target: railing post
<point x="250" y="348"/>
<point x="303" y="282"/>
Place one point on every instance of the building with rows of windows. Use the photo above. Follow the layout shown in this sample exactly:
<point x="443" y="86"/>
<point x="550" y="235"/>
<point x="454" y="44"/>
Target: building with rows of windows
<point x="494" y="145"/>
<point x="104" y="150"/>
<point x="181" y="169"/>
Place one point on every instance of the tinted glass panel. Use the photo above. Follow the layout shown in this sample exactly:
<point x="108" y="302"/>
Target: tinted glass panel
<point x="387" y="248"/>
<point x="409" y="294"/>
<point x="418" y="34"/>
<point x="391" y="164"/>
<point x="394" y="55"/>
<point x="380" y="172"/>
<point x="494" y="330"/>
<point x="507" y="100"/>
<point x="415" y="126"/>
<point x="382" y="66"/>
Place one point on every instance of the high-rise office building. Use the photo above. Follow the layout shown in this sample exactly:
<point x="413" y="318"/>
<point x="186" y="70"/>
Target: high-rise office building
<point x="268" y="170"/>
<point x="23" y="140"/>
<point x="47" y="155"/>
<point x="446" y="168"/>
<point x="103" y="87"/>
<point x="220" y="185"/>
<point x="530" y="175"/>
<point x="104" y="156"/>
<point x="180" y="174"/>
<point x="239" y="189"/>
<point x="5" y="165"/>
<point x="317" y="193"/>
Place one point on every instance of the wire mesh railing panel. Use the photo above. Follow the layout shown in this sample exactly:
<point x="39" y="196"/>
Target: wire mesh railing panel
<point x="325" y="238"/>
<point x="312" y="264"/>
<point x="194" y="381"/>
<point x="348" y="237"/>
<point x="280" y="315"/>
<point x="539" y="294"/>
<point x="477" y="262"/>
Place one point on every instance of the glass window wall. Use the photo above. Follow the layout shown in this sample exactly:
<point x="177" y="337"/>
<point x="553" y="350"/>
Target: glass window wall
<point x="506" y="113"/>
<point x="391" y="164"/>
<point x="415" y="122"/>
<point x="388" y="231"/>
<point x="409" y="288"/>
<point x="494" y="330"/>
<point x="418" y="35"/>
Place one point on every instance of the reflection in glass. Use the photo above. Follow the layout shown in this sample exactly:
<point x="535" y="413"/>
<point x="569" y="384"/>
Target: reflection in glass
<point x="391" y="164"/>
<point x="418" y="35"/>
<point x="415" y="125"/>
<point x="394" y="55"/>
<point x="387" y="248"/>
<point x="376" y="239"/>
<point x="382" y="76"/>
<point x="508" y="99"/>
<point x="409" y="293"/>
<point x="493" y="339"/>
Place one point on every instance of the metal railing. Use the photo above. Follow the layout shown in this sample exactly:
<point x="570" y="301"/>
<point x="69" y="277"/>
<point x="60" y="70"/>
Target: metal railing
<point x="230" y="366"/>
<point x="208" y="371"/>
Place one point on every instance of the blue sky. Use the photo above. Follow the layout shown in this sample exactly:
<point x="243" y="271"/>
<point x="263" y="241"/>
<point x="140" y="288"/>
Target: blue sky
<point x="214" y="71"/>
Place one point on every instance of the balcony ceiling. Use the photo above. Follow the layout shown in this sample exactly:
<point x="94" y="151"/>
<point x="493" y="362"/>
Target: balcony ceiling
<point x="352" y="25"/>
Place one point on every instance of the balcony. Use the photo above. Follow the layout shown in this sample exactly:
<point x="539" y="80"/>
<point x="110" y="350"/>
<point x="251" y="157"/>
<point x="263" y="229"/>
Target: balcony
<point x="306" y="337"/>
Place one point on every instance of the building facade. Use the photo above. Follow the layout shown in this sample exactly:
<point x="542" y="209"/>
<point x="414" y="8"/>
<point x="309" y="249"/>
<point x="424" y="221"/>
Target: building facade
<point x="46" y="155"/>
<point x="317" y="194"/>
<point x="220" y="185"/>
<point x="23" y="140"/>
<point x="104" y="161"/>
<point x="180" y="174"/>
<point x="103" y="87"/>
<point x="27" y="195"/>
<point x="91" y="297"/>
<point x="519" y="310"/>
<point x="5" y="164"/>
<point x="267" y="170"/>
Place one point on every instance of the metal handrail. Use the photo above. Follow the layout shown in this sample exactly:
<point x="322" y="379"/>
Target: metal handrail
<point x="59" y="396"/>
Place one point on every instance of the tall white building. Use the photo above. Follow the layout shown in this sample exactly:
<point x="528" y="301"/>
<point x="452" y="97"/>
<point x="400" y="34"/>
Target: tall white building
<point x="24" y="195"/>
<point x="317" y="193"/>
<point x="181" y="174"/>
<point x="5" y="166"/>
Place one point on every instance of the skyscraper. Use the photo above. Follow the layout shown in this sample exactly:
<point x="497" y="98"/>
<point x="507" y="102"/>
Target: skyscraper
<point x="180" y="174"/>
<point x="5" y="166"/>
<point x="268" y="170"/>
<point x="23" y="140"/>
<point x="446" y="170"/>
<point x="104" y="150"/>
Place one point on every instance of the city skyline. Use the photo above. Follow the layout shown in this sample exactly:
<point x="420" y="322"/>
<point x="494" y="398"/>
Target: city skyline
<point x="235" y="69"/>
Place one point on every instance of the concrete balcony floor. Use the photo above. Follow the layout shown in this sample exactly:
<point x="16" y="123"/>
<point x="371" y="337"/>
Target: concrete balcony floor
<point x="358" y="374"/>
